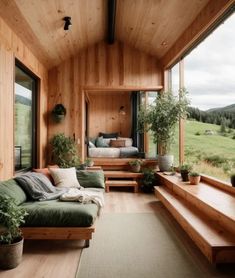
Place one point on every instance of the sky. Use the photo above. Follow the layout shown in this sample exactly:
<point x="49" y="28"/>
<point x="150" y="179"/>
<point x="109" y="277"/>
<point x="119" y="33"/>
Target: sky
<point x="22" y="91"/>
<point x="210" y="68"/>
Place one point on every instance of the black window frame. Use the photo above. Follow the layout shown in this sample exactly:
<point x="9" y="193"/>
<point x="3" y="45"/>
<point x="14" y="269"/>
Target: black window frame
<point x="35" y="92"/>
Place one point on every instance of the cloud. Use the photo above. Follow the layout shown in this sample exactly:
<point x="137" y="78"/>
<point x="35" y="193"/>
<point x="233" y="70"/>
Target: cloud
<point x="210" y="68"/>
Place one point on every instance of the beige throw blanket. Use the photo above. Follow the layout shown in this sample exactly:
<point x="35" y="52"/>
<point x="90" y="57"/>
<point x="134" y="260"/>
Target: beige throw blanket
<point x="84" y="196"/>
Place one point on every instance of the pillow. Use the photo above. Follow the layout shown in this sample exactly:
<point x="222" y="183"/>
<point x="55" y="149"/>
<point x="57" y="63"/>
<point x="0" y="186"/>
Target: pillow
<point x="45" y="171"/>
<point x="91" y="145"/>
<point x="13" y="190"/>
<point x="107" y="140"/>
<point x="65" y="177"/>
<point x="109" y="135"/>
<point x="92" y="140"/>
<point x="100" y="143"/>
<point x="117" y="143"/>
<point x="128" y="141"/>
<point x="91" y="178"/>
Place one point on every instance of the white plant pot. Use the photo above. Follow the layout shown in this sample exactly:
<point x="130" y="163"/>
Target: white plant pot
<point x="165" y="162"/>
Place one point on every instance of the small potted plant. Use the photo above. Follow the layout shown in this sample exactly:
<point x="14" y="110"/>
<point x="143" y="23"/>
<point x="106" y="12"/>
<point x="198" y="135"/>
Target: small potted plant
<point x="232" y="178"/>
<point x="194" y="178"/>
<point x="184" y="171"/>
<point x="148" y="180"/>
<point x="135" y="165"/>
<point x="89" y="162"/>
<point x="59" y="112"/>
<point x="11" y="240"/>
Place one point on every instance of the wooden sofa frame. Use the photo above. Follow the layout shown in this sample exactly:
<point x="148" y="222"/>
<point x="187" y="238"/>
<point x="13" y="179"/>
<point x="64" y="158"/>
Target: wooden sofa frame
<point x="62" y="233"/>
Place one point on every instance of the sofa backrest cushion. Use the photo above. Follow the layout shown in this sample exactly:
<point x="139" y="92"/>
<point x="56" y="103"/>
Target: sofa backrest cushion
<point x="12" y="189"/>
<point x="93" y="179"/>
<point x="65" y="177"/>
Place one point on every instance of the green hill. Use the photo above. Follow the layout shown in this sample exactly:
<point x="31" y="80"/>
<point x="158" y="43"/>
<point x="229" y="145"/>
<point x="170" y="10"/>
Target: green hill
<point x="229" y="108"/>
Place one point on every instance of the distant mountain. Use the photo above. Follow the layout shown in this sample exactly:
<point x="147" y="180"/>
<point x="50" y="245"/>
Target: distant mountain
<point x="23" y="100"/>
<point x="229" y="108"/>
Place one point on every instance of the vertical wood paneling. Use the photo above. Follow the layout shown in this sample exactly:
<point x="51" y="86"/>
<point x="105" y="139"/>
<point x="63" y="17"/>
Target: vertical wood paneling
<point x="6" y="113"/>
<point x="104" y="113"/>
<point x="10" y="47"/>
<point x="110" y="66"/>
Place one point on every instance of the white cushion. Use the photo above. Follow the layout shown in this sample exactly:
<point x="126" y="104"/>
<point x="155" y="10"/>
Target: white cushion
<point x="128" y="141"/>
<point x="65" y="177"/>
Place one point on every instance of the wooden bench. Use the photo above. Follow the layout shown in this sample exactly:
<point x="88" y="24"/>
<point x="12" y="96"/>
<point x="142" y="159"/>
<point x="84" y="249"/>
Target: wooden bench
<point x="125" y="183"/>
<point x="204" y="212"/>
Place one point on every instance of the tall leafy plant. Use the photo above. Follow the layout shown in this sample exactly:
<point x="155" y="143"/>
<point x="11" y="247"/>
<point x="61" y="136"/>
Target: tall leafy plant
<point x="11" y="217"/>
<point x="162" y="116"/>
<point x="64" y="151"/>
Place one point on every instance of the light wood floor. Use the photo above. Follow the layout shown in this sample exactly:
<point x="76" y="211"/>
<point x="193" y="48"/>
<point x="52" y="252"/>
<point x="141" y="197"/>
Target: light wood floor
<point x="59" y="259"/>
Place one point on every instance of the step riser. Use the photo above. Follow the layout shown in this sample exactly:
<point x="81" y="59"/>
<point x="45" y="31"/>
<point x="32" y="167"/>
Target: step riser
<point x="201" y="243"/>
<point x="222" y="220"/>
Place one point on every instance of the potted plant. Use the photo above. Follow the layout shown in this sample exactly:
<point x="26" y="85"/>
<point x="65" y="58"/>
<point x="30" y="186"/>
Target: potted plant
<point x="89" y="162"/>
<point x="11" y="240"/>
<point x="59" y="112"/>
<point x="135" y="165"/>
<point x="64" y="151"/>
<point x="184" y="171"/>
<point x="161" y="118"/>
<point x="194" y="178"/>
<point x="148" y="180"/>
<point x="232" y="178"/>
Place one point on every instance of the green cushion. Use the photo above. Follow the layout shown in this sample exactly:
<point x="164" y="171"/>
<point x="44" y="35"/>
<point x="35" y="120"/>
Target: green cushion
<point x="56" y="213"/>
<point x="100" y="143"/>
<point x="12" y="189"/>
<point x="93" y="179"/>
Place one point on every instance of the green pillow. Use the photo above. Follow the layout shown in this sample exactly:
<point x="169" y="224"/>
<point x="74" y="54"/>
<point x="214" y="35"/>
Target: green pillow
<point x="93" y="179"/>
<point x="100" y="143"/>
<point x="13" y="190"/>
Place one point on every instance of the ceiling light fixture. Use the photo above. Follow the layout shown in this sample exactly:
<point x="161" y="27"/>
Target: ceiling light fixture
<point x="67" y="22"/>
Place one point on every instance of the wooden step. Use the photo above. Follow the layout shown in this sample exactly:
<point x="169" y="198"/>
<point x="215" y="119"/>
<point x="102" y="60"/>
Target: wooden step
<point x="122" y="174"/>
<point x="122" y="163"/>
<point x="121" y="183"/>
<point x="214" y="202"/>
<point x="217" y="244"/>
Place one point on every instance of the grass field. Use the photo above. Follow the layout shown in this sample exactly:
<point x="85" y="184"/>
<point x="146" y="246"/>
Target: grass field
<point x="218" y="148"/>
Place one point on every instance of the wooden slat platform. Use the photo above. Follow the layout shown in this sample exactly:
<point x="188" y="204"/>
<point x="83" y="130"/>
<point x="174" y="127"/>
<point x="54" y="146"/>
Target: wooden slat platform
<point x="121" y="163"/>
<point x="122" y="174"/>
<point x="214" y="202"/>
<point x="121" y="183"/>
<point x="217" y="244"/>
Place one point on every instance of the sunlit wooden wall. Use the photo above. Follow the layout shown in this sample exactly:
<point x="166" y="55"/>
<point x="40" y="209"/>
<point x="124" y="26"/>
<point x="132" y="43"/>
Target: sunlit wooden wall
<point x="12" y="47"/>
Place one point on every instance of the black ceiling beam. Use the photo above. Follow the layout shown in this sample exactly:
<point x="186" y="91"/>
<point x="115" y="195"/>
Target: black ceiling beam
<point x="111" y="21"/>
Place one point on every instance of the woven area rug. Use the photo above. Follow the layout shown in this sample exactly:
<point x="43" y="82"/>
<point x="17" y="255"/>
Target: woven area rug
<point x="140" y="245"/>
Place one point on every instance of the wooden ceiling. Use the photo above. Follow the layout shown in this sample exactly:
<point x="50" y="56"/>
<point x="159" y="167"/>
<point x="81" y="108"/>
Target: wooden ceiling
<point x="151" y="26"/>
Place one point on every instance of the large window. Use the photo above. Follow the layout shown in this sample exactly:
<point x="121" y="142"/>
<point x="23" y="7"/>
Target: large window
<point x="24" y="136"/>
<point x="209" y="78"/>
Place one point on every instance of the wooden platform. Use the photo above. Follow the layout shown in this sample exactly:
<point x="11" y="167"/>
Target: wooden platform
<point x="206" y="213"/>
<point x="121" y="163"/>
<point x="63" y="233"/>
<point x="121" y="183"/>
<point x="122" y="179"/>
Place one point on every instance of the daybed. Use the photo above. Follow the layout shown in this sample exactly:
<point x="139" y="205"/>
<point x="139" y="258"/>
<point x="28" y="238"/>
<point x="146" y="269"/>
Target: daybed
<point x="53" y="219"/>
<point x="104" y="146"/>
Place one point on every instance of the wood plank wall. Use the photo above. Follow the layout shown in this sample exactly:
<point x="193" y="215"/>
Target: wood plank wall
<point x="12" y="47"/>
<point x="105" y="107"/>
<point x="116" y="66"/>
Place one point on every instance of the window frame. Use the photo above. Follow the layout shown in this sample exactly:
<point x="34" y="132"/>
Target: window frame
<point x="35" y="93"/>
